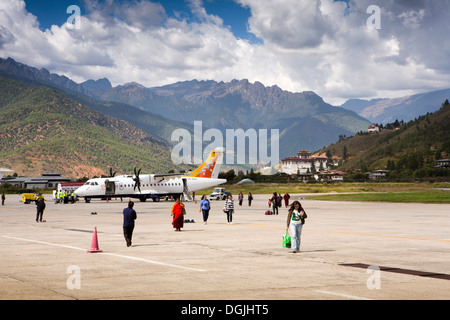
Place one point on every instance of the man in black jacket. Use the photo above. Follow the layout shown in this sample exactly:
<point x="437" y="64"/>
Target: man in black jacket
<point x="129" y="215"/>
<point x="40" y="206"/>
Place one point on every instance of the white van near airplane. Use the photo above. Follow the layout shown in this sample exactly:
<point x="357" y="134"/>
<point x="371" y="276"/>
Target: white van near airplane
<point x="155" y="186"/>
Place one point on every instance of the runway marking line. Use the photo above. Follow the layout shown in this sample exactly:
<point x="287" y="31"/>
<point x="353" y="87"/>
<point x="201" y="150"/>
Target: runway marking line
<point x="107" y="254"/>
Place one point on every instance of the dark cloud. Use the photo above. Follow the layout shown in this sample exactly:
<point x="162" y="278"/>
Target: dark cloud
<point x="5" y="36"/>
<point x="140" y="14"/>
<point x="292" y="25"/>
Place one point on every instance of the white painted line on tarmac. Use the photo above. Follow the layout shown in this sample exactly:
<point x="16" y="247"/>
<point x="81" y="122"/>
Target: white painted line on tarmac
<point x="107" y="254"/>
<point x="42" y="242"/>
<point x="152" y="262"/>
<point x="342" y="295"/>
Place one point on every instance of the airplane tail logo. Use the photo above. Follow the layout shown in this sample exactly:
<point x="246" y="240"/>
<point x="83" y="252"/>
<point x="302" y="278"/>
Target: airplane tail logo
<point x="209" y="168"/>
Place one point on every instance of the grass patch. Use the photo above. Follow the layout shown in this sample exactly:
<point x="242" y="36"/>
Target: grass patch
<point x="339" y="187"/>
<point x="371" y="191"/>
<point x="429" y="196"/>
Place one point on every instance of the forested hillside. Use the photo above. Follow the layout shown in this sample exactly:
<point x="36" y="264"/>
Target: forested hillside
<point x="41" y="130"/>
<point x="410" y="150"/>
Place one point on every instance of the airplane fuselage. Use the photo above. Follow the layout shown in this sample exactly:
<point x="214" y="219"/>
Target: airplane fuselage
<point x="149" y="187"/>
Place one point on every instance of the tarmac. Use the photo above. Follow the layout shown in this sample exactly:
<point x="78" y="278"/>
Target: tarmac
<point x="349" y="251"/>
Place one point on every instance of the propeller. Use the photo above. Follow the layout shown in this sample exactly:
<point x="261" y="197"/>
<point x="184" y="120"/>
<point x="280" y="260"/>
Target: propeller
<point x="111" y="174"/>
<point x="137" y="180"/>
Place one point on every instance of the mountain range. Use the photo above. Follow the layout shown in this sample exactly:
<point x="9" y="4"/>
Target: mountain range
<point x="383" y="111"/>
<point x="151" y="123"/>
<point x="304" y="119"/>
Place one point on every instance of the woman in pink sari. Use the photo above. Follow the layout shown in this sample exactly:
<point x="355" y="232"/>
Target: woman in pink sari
<point x="178" y="212"/>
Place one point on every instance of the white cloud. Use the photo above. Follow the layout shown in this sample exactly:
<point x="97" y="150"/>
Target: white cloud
<point x="291" y="24"/>
<point x="412" y="18"/>
<point x="319" y="45"/>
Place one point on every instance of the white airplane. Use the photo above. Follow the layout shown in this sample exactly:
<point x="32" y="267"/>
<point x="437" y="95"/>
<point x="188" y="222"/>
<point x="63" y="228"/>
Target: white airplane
<point x="155" y="186"/>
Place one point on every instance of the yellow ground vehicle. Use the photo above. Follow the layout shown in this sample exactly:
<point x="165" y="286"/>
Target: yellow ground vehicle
<point x="28" y="197"/>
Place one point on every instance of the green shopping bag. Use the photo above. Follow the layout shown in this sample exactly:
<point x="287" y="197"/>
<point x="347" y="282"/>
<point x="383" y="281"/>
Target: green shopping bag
<point x="286" y="240"/>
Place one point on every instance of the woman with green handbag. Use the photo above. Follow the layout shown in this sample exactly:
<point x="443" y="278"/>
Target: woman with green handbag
<point x="295" y="220"/>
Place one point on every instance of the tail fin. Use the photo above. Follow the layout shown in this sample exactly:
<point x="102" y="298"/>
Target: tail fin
<point x="210" y="168"/>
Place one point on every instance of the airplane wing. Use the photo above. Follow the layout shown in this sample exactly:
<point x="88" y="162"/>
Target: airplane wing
<point x="172" y="175"/>
<point x="162" y="177"/>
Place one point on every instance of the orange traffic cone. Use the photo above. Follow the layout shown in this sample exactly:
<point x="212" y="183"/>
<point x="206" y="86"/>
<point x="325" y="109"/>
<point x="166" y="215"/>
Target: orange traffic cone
<point x="94" y="245"/>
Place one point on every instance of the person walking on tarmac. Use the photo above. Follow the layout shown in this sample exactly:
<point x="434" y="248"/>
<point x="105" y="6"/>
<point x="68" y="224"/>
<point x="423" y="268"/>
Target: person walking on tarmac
<point x="40" y="206"/>
<point x="274" y="202"/>
<point x="129" y="215"/>
<point x="250" y="198"/>
<point x="286" y="198"/>
<point x="240" y="198"/>
<point x="178" y="211"/>
<point x="295" y="220"/>
<point x="229" y="208"/>
<point x="3" y="198"/>
<point x="205" y="206"/>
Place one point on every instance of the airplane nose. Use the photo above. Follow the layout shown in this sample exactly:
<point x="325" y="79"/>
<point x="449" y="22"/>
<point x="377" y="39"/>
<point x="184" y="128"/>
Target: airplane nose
<point x="79" y="192"/>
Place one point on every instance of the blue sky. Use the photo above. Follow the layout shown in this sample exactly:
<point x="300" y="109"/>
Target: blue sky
<point x="50" y="12"/>
<point x="234" y="15"/>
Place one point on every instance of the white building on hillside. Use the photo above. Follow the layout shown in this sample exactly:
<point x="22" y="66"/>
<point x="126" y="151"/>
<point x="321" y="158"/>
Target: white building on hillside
<point x="4" y="171"/>
<point x="303" y="163"/>
<point x="373" y="128"/>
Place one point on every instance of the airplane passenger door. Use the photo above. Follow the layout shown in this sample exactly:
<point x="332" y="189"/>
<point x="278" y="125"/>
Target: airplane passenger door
<point x="186" y="194"/>
<point x="110" y="188"/>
